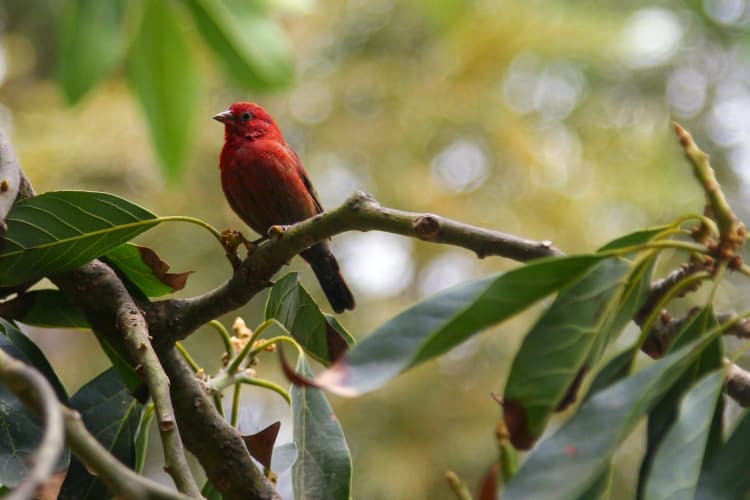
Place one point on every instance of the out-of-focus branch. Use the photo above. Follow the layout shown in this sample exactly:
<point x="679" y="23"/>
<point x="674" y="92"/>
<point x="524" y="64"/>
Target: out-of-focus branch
<point x="174" y="319"/>
<point x="37" y="394"/>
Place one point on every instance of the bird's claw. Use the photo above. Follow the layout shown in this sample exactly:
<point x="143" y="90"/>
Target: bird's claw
<point x="231" y="240"/>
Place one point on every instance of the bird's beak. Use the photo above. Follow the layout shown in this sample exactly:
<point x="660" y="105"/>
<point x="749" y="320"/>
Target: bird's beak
<point x="224" y="117"/>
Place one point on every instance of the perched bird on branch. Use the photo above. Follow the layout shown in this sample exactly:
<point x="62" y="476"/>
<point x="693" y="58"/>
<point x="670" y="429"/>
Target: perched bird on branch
<point x="265" y="183"/>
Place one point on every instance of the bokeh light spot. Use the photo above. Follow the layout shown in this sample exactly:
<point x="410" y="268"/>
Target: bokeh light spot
<point x="461" y="166"/>
<point x="376" y="264"/>
<point x="686" y="91"/>
<point x="650" y="37"/>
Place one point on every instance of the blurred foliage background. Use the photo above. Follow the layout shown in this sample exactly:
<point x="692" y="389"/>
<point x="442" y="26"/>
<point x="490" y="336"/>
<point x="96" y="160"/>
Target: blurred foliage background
<point x="549" y="119"/>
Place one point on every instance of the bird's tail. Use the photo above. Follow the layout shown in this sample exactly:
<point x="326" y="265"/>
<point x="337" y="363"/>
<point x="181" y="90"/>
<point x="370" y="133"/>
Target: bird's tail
<point x="326" y="269"/>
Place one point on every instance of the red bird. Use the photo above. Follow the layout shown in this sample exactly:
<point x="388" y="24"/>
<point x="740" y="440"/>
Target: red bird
<point x="265" y="184"/>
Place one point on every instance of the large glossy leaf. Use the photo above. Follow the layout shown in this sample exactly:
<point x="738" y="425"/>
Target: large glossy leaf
<point x="553" y="353"/>
<point x="165" y="78"/>
<point x="112" y="416"/>
<point x="566" y="463"/>
<point x="291" y="305"/>
<point x="20" y="431"/>
<point x="143" y="268"/>
<point x="323" y="468"/>
<point x="252" y="47"/>
<point x="677" y="461"/>
<point x="90" y="44"/>
<point x="726" y="472"/>
<point x="61" y="230"/>
<point x="443" y="321"/>
<point x="49" y="309"/>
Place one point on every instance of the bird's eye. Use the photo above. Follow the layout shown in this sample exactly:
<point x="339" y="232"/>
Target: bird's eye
<point x="246" y="115"/>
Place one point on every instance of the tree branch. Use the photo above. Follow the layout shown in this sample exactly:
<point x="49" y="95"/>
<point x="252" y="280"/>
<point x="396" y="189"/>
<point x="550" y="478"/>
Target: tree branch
<point x="174" y="319"/>
<point x="97" y="290"/>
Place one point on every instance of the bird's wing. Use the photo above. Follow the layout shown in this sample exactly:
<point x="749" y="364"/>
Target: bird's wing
<point x="306" y="181"/>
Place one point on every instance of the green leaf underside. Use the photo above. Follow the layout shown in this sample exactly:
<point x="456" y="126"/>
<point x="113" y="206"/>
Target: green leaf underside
<point x="323" y="468"/>
<point x="662" y="417"/>
<point x="566" y="463"/>
<point x="677" y="462"/>
<point x="20" y="431"/>
<point x="443" y="321"/>
<point x="252" y="47"/>
<point x="726" y="474"/>
<point x="61" y="230"/>
<point x="165" y="78"/>
<point x="112" y="416"/>
<point x="51" y="309"/>
<point x="554" y="351"/>
<point x="293" y="307"/>
<point x="90" y="44"/>
<point x="631" y="301"/>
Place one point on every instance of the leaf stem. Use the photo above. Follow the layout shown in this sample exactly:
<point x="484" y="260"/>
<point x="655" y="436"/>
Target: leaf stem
<point x="235" y="405"/>
<point x="224" y="334"/>
<point x="198" y="222"/>
<point x="267" y="384"/>
<point x="187" y="357"/>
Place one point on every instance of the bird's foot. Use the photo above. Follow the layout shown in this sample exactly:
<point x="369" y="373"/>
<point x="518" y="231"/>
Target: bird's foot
<point x="231" y="240"/>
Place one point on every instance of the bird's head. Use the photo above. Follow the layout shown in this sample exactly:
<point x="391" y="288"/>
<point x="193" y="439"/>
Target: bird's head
<point x="249" y="121"/>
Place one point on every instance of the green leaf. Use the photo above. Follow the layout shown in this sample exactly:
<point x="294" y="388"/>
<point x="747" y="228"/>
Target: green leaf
<point x="323" y="339"/>
<point x="61" y="230"/>
<point x="566" y="463"/>
<point x="141" y="437"/>
<point x="600" y="488"/>
<point x="20" y="431"/>
<point x="639" y="237"/>
<point x="726" y="471"/>
<point x="324" y="467"/>
<point x="632" y="299"/>
<point x="663" y="415"/>
<point x="443" y="321"/>
<point x="677" y="461"/>
<point x="143" y="267"/>
<point x="613" y="371"/>
<point x="49" y="309"/>
<point x="165" y="79"/>
<point x="120" y="362"/>
<point x="90" y="44"/>
<point x="252" y="47"/>
<point x="29" y="353"/>
<point x="112" y="416"/>
<point x="549" y="365"/>
<point x="209" y="491"/>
